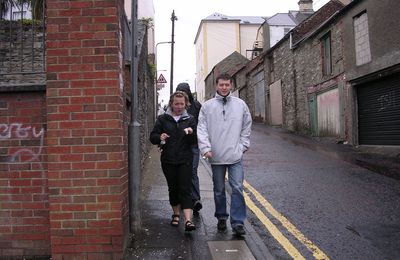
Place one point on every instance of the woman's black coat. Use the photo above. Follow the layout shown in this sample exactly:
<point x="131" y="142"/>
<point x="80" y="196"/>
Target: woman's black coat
<point x="177" y="148"/>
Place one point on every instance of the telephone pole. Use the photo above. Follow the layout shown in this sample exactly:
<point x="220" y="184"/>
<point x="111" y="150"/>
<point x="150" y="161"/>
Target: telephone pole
<point x="173" y="19"/>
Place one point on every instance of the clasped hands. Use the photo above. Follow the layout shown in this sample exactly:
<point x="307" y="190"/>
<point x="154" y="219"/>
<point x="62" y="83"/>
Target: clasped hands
<point x="187" y="130"/>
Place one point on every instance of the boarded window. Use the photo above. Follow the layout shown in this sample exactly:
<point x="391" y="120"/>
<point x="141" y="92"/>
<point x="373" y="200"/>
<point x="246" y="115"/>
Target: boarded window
<point x="361" y="39"/>
<point x="326" y="54"/>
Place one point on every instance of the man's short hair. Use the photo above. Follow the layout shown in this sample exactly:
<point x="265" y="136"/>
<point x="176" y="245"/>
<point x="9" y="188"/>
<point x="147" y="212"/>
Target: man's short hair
<point x="223" y="76"/>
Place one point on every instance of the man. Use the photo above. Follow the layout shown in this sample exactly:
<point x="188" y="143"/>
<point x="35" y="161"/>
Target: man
<point x="223" y="133"/>
<point x="193" y="109"/>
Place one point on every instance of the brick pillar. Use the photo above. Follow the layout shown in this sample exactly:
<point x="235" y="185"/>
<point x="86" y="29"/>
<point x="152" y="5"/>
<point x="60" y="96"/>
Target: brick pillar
<point x="87" y="165"/>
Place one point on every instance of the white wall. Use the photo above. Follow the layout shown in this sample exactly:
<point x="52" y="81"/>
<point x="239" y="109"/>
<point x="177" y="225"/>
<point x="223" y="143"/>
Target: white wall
<point x="248" y="35"/>
<point x="276" y="33"/>
<point x="216" y="41"/>
<point x="222" y="40"/>
<point x="200" y="66"/>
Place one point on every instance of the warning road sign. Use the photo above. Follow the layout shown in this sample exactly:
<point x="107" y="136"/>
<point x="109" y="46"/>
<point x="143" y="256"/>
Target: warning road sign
<point x="161" y="79"/>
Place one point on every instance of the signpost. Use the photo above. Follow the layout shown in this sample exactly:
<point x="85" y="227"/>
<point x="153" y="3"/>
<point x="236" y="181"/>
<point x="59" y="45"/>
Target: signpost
<point x="161" y="79"/>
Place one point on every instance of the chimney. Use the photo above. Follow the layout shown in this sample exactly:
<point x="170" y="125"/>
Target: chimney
<point x="345" y="2"/>
<point x="306" y="6"/>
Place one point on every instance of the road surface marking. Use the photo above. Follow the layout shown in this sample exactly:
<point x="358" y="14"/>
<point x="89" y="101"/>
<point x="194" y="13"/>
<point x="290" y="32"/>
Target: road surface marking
<point x="292" y="251"/>
<point x="317" y="253"/>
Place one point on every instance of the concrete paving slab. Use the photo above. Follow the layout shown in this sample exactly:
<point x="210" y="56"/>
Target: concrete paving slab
<point x="157" y="239"/>
<point x="232" y="250"/>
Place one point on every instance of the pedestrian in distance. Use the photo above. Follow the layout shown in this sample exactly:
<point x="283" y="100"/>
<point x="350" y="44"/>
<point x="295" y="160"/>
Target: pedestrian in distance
<point x="175" y="133"/>
<point x="223" y="134"/>
<point x="194" y="110"/>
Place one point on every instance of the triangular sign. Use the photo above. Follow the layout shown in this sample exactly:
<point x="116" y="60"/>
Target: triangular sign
<point x="161" y="79"/>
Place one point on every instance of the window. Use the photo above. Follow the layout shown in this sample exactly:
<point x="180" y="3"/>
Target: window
<point x="326" y="54"/>
<point x="286" y="30"/>
<point x="361" y="39"/>
<point x="271" y="63"/>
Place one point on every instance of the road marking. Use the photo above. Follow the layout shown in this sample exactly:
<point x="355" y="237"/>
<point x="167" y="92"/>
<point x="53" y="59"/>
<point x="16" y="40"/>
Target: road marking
<point x="293" y="252"/>
<point x="317" y="253"/>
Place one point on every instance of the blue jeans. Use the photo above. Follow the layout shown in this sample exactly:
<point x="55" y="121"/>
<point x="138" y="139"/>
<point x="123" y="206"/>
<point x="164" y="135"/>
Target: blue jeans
<point x="195" y="177"/>
<point x="235" y="178"/>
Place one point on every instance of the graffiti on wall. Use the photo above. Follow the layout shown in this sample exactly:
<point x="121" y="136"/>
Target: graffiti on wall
<point x="24" y="132"/>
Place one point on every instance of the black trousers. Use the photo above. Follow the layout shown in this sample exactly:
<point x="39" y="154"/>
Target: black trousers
<point x="179" y="180"/>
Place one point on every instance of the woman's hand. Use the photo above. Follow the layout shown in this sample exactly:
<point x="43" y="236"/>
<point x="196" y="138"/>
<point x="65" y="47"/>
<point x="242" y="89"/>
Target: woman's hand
<point x="188" y="130"/>
<point x="164" y="136"/>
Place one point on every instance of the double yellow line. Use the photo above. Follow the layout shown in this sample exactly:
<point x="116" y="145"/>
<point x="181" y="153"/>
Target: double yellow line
<point x="292" y="251"/>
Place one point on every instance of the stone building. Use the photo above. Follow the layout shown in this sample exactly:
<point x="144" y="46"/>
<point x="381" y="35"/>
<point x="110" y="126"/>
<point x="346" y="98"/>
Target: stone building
<point x="231" y="64"/>
<point x="336" y="75"/>
<point x="294" y="65"/>
<point x="372" y="55"/>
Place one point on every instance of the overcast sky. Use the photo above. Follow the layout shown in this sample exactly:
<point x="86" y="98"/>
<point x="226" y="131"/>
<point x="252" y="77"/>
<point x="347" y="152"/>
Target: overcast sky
<point x="190" y="13"/>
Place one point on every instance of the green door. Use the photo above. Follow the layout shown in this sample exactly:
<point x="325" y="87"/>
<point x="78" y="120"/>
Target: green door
<point x="313" y="115"/>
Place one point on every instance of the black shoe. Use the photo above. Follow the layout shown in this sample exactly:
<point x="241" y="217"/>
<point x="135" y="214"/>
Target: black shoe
<point x="189" y="226"/>
<point x="197" y="206"/>
<point x="239" y="230"/>
<point x="221" y="224"/>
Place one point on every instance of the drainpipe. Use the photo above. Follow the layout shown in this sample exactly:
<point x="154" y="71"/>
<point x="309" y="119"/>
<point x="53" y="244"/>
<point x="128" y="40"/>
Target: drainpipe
<point x="134" y="132"/>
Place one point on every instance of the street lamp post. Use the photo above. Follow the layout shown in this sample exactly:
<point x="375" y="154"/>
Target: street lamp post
<point x="173" y="19"/>
<point x="155" y="59"/>
<point x="156" y="56"/>
<point x="156" y="50"/>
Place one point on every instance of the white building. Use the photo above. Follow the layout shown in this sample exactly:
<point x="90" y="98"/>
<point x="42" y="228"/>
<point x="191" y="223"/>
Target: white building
<point x="276" y="26"/>
<point x="217" y="37"/>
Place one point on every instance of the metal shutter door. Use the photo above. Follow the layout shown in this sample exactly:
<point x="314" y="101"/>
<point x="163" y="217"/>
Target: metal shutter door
<point x="379" y="111"/>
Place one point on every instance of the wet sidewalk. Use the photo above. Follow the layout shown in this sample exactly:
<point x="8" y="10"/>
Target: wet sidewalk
<point x="159" y="240"/>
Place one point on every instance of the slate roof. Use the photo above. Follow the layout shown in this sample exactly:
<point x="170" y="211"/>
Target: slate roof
<point x="281" y="19"/>
<point x="230" y="64"/>
<point x="242" y="19"/>
<point x="308" y="26"/>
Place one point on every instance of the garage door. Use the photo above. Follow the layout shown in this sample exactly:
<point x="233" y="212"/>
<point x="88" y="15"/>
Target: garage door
<point x="379" y="111"/>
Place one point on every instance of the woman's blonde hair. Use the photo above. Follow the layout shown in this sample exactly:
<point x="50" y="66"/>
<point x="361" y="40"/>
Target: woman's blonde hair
<point x="178" y="94"/>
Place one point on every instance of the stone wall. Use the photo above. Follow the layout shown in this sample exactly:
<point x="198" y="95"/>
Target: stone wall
<point x="300" y="70"/>
<point x="284" y="69"/>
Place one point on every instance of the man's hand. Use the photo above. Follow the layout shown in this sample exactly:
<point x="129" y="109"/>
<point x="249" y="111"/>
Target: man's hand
<point x="207" y="155"/>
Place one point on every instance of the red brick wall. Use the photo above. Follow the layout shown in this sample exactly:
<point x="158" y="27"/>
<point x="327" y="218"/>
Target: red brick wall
<point x="87" y="164"/>
<point x="24" y="224"/>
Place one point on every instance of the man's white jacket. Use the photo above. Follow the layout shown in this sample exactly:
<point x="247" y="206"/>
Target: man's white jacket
<point x="224" y="128"/>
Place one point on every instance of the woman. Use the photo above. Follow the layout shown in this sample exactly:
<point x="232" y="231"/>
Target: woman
<point x="174" y="133"/>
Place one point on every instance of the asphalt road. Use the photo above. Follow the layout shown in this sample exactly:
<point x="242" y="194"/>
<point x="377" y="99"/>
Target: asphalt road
<point x="310" y="205"/>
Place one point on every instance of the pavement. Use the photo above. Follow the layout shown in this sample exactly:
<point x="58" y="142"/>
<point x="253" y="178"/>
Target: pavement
<point x="159" y="240"/>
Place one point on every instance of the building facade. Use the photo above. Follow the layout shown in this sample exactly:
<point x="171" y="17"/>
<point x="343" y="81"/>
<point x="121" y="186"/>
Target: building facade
<point x="64" y="116"/>
<point x="336" y="75"/>
<point x="217" y="37"/>
<point x="372" y="68"/>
